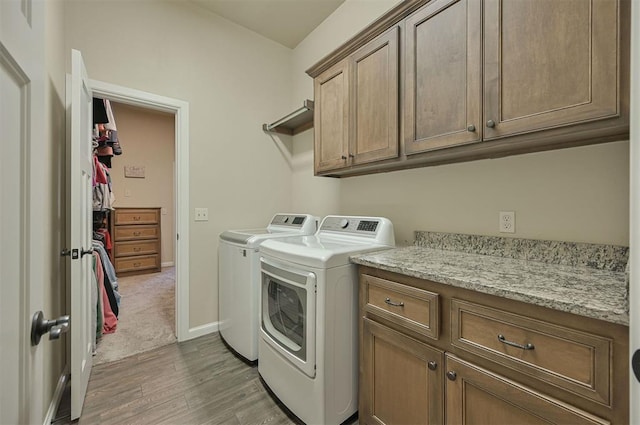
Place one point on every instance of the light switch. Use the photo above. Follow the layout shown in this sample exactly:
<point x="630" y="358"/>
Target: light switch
<point x="202" y="214"/>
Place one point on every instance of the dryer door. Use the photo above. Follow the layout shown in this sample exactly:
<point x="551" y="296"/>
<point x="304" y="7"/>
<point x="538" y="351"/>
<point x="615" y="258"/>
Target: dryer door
<point x="289" y="313"/>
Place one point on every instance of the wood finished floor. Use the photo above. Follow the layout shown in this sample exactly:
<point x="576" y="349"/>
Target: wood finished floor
<point x="195" y="382"/>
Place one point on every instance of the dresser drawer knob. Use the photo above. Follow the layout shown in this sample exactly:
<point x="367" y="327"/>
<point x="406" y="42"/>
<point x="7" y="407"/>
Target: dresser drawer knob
<point x="136" y="233"/>
<point x="136" y="218"/>
<point x="394" y="304"/>
<point x="503" y="340"/>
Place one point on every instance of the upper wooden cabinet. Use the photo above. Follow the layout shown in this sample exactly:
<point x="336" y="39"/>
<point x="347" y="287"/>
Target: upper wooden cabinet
<point x="550" y="63"/>
<point x="478" y="79"/>
<point x="442" y="92"/>
<point x="357" y="107"/>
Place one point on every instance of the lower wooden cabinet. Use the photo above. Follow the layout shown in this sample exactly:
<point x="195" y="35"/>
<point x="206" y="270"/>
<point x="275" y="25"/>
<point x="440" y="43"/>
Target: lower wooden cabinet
<point x="477" y="396"/>
<point x="402" y="378"/>
<point x="484" y="360"/>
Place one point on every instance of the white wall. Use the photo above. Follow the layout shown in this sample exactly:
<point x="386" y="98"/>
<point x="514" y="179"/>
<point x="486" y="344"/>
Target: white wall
<point x="578" y="194"/>
<point x="232" y="78"/>
<point x="320" y="195"/>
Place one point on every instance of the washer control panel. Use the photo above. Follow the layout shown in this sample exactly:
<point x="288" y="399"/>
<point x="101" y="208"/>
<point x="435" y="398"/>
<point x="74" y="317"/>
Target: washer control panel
<point x="289" y="220"/>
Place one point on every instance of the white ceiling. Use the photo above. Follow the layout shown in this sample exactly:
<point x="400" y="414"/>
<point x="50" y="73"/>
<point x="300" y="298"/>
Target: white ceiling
<point x="287" y="22"/>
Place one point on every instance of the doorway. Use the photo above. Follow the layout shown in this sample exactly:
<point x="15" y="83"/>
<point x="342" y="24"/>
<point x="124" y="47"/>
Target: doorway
<point x="142" y="177"/>
<point x="180" y="111"/>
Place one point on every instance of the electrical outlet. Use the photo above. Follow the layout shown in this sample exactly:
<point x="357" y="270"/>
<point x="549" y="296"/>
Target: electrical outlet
<point x="202" y="214"/>
<point x="507" y="222"/>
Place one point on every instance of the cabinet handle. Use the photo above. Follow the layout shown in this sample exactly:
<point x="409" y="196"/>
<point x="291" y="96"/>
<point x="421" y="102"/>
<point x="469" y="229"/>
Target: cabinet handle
<point x="388" y="301"/>
<point x="343" y="157"/>
<point x="491" y="123"/>
<point x="137" y="249"/>
<point x="452" y="375"/>
<point x="432" y="365"/>
<point x="137" y="264"/>
<point x="136" y="218"/>
<point x="503" y="340"/>
<point x="351" y="155"/>
<point x="136" y="233"/>
<point x="471" y="128"/>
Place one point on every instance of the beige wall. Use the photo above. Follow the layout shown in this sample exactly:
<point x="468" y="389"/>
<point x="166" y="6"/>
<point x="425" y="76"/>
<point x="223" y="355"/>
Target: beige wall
<point x="578" y="194"/>
<point x="53" y="151"/>
<point x="233" y="79"/>
<point x="147" y="138"/>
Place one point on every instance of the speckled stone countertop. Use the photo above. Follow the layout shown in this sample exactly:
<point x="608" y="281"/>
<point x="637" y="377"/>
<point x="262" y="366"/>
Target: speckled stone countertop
<point x="585" y="291"/>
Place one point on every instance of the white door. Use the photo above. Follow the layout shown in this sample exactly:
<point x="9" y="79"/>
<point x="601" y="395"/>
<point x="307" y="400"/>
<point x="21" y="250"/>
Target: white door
<point x="79" y="234"/>
<point x="21" y="111"/>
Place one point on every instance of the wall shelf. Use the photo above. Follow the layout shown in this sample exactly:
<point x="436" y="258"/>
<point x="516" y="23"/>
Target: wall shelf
<point x="296" y="122"/>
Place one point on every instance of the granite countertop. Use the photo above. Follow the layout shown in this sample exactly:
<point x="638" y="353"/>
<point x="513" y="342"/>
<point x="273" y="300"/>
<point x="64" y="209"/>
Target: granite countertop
<point x="585" y="291"/>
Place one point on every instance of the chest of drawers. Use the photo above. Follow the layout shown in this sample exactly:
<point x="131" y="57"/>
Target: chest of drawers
<point x="137" y="236"/>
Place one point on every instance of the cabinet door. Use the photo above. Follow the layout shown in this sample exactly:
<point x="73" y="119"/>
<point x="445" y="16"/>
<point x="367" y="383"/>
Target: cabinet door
<point x="443" y="76"/>
<point x="549" y="63"/>
<point x="401" y="378"/>
<point x="374" y="100"/>
<point x="331" y="118"/>
<point x="477" y="396"/>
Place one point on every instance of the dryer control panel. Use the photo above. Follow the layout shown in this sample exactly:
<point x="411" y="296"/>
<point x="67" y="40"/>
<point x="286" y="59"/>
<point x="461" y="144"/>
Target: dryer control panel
<point x="377" y="228"/>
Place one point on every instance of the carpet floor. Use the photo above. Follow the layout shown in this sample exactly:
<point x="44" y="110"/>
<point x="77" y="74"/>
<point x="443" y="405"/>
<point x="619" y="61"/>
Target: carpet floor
<point x="146" y="319"/>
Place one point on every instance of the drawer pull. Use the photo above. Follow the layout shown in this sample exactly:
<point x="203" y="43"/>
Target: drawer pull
<point x="136" y="218"/>
<point x="136" y="233"/>
<point x="137" y="249"/>
<point x="137" y="264"/>
<point x="388" y="301"/>
<point x="503" y="340"/>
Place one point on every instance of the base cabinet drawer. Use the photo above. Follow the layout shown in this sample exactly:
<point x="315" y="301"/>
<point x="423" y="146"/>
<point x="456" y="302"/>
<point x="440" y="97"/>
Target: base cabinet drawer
<point x="126" y="233"/>
<point x="475" y="396"/>
<point x="577" y="361"/>
<point x="412" y="308"/>
<point x="137" y="263"/>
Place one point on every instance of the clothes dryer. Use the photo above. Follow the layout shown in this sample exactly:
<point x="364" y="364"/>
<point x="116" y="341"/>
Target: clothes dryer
<point x="239" y="278"/>
<point x="308" y="344"/>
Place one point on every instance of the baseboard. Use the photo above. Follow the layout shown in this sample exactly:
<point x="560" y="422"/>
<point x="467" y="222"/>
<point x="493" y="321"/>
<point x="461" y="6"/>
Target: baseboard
<point x="167" y="264"/>
<point x="201" y="330"/>
<point x="57" y="396"/>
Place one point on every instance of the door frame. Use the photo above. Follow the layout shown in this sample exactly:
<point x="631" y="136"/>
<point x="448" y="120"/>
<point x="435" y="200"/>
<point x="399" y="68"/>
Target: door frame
<point x="634" y="213"/>
<point x="180" y="110"/>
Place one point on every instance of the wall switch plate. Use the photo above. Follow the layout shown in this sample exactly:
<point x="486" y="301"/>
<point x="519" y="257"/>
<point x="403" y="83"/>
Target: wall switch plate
<point x="202" y="214"/>
<point x="507" y="222"/>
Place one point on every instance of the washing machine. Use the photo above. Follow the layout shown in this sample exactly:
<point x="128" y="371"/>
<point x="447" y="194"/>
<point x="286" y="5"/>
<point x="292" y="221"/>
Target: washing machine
<point x="239" y="279"/>
<point x="308" y="344"/>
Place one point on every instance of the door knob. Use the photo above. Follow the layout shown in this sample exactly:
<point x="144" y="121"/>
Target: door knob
<point x="41" y="326"/>
<point x="635" y="364"/>
<point x="84" y="252"/>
